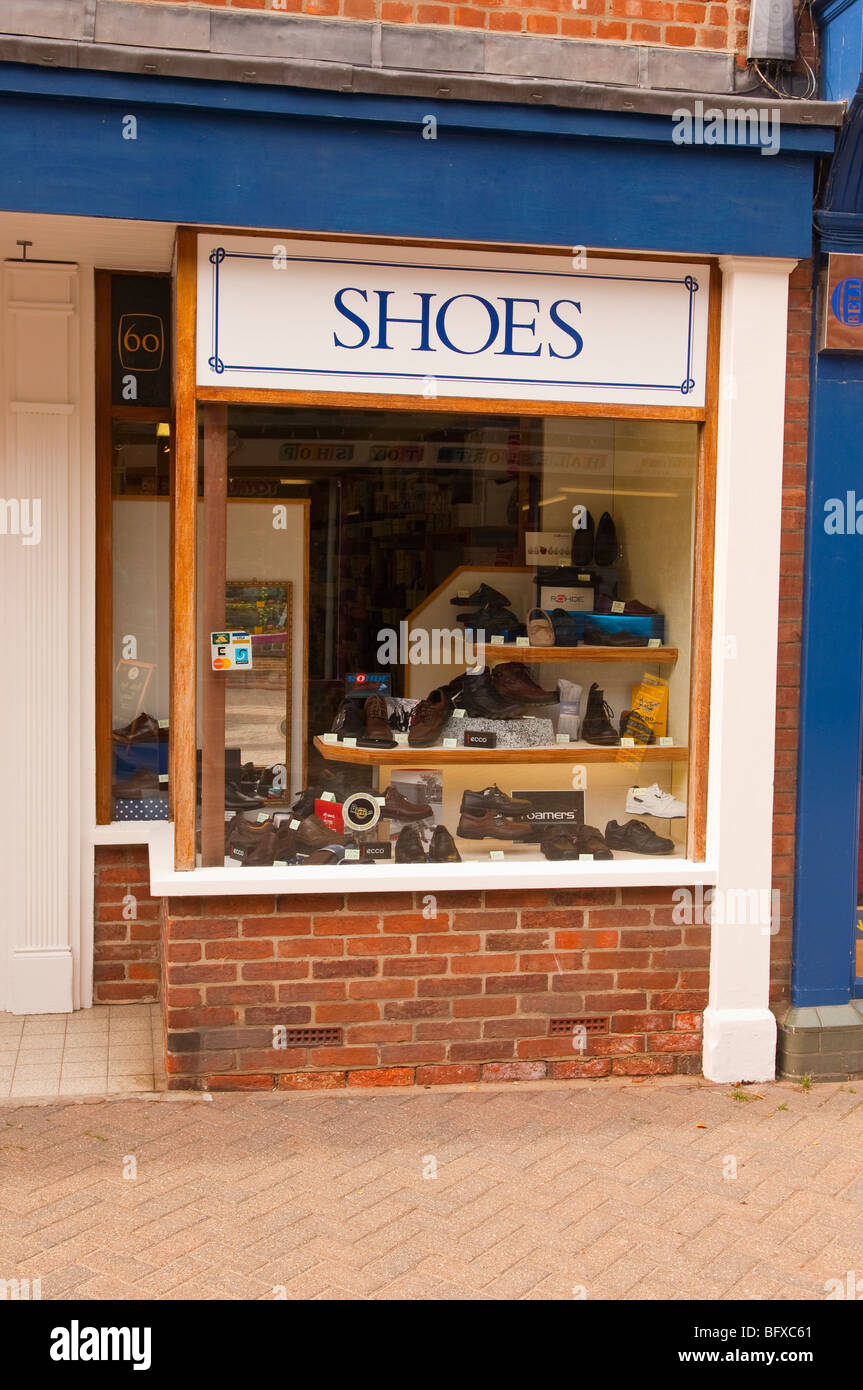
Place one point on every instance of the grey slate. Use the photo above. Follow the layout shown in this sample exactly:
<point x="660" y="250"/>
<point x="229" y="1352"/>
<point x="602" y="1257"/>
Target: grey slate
<point x="49" y="19"/>
<point x="562" y="60"/>
<point x="678" y="70"/>
<point x="152" y="26"/>
<point x="289" y="36"/>
<point x="431" y="50"/>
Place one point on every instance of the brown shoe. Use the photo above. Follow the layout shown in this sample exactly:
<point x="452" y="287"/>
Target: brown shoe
<point x="312" y="834"/>
<point x="253" y="845"/>
<point x="378" y="733"/>
<point x="512" y="679"/>
<point x="589" y="841"/>
<point x="428" y="719"/>
<point x="398" y="807"/>
<point x="493" y="826"/>
<point x="143" y="729"/>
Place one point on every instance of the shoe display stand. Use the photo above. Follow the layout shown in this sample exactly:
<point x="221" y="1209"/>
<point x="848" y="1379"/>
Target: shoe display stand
<point x="405" y="756"/>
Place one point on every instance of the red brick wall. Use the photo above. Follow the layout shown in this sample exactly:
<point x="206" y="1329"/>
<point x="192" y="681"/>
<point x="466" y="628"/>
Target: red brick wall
<point x="464" y="997"/>
<point x="127" y="950"/>
<point x="790" y="617"/>
<point x="676" y="23"/>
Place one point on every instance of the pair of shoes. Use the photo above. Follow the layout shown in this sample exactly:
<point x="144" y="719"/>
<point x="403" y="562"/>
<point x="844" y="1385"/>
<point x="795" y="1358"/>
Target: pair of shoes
<point x="258" y="845"/>
<point x="369" y="724"/>
<point x="558" y="843"/>
<point x="597" y="547"/>
<point x="631" y="607"/>
<point x="596" y="727"/>
<point x="611" y="637"/>
<point x="653" y="801"/>
<point x="500" y="693"/>
<point x="398" y="807"/>
<point x="637" y="838"/>
<point x="510" y="679"/>
<point x="496" y="825"/>
<point x="483" y="597"/>
<point x="428" y="718"/>
<point x="492" y="622"/>
<point x="540" y="629"/>
<point x="143" y="729"/>
<point x="410" y="849"/>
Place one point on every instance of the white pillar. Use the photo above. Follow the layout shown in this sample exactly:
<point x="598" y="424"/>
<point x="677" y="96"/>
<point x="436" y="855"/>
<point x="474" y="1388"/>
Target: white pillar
<point x="739" y="1029"/>
<point x="43" y="663"/>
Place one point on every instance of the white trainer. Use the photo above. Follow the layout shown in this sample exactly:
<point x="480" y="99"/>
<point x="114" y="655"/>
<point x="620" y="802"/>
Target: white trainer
<point x="653" y="801"/>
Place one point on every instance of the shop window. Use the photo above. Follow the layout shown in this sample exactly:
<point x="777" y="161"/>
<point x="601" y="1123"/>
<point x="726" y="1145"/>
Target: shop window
<point x="441" y="637"/>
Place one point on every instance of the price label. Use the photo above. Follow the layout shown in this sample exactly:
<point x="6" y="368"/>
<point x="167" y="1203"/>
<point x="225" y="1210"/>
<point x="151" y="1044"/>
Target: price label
<point x="654" y="642"/>
<point x="293" y="824"/>
<point x="328" y="796"/>
<point x="261" y="817"/>
<point x="381" y="800"/>
<point x="229" y="815"/>
<point x="462" y="593"/>
<point x="450" y="743"/>
<point x="584" y="578"/>
<point x="163" y="776"/>
<point x="349" y="742"/>
<point x="352" y="852"/>
<point x="497" y="641"/>
<point x="164" y="723"/>
<point x="627" y="743"/>
<point x="521" y="641"/>
<point x="280" y="864"/>
<point x="586" y="856"/>
<point x="401" y="739"/>
<point x="666" y="743"/>
<point x="330" y="738"/>
<point x="459" y="713"/>
<point x="618" y="607"/>
<point x="495" y="854"/>
<point x="561" y="738"/>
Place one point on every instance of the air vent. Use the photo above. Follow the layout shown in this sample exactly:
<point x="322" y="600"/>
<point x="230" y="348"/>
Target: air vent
<point x="591" y="1023"/>
<point x="314" y="1037"/>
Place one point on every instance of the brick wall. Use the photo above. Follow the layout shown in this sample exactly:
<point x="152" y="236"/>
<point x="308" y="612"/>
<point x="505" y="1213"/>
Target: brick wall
<point x="465" y="996"/>
<point x="677" y="23"/>
<point x="790" y="617"/>
<point x="127" y="949"/>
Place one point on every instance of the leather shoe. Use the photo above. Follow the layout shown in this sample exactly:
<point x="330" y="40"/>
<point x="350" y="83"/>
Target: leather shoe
<point x="409" y="846"/>
<point x="143" y="729"/>
<point x="492" y="825"/>
<point x="377" y="732"/>
<point x="493" y="799"/>
<point x="611" y="637"/>
<point x="428" y="719"/>
<point x="637" y="838"/>
<point x="483" y="701"/>
<point x="483" y="597"/>
<point x="397" y="807"/>
<point x="512" y="681"/>
<point x="443" y="848"/>
<point x="605" y="547"/>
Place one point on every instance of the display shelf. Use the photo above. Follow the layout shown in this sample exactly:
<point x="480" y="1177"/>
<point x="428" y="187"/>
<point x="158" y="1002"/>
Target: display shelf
<point x="405" y="756"/>
<point x="639" y="655"/>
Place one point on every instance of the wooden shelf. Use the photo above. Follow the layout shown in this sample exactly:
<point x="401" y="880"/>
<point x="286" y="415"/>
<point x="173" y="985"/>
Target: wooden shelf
<point x="639" y="655"/>
<point x="405" y="756"/>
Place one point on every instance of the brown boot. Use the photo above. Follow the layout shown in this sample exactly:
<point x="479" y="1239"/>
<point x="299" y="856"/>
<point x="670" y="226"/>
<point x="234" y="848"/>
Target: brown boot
<point x="378" y="733"/>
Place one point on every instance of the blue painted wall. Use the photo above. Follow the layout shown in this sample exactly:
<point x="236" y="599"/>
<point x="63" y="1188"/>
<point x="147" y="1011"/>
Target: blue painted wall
<point x="270" y="157"/>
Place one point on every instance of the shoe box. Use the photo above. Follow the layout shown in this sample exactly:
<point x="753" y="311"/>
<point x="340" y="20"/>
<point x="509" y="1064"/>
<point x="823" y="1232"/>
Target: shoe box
<point x="642" y="626"/>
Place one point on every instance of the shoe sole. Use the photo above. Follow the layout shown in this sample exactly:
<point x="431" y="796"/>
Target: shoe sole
<point x="659" y="815"/>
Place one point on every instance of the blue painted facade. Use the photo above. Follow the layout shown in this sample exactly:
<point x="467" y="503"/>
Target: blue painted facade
<point x="247" y="156"/>
<point x="831" y="722"/>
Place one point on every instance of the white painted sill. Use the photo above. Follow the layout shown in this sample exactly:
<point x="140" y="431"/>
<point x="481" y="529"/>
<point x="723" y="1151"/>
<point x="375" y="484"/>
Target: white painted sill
<point x="165" y="881"/>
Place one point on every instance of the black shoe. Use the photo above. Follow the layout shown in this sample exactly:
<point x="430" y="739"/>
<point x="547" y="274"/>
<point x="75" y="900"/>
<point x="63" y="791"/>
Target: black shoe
<point x="637" y="838"/>
<point x="611" y="637"/>
<point x="583" y="544"/>
<point x="442" y="849"/>
<point x="605" y="546"/>
<point x="596" y="726"/>
<point x="559" y="844"/>
<point x="409" y="846"/>
<point x="493" y="799"/>
<point x="349" y="721"/>
<point x="483" y="597"/>
<point x="305" y="803"/>
<point x="481" y="699"/>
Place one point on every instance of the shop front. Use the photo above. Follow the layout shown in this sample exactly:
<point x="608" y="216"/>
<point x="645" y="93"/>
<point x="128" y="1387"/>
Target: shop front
<point x="433" y="660"/>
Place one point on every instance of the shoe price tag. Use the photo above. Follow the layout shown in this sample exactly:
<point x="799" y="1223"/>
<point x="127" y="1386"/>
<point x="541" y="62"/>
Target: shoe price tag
<point x="462" y="593"/>
<point x="497" y="641"/>
<point x="349" y="742"/>
<point x="586" y="856"/>
<point x="280" y="863"/>
<point x="229" y="815"/>
<point x="164" y="723"/>
<point x="261" y="817"/>
<point x="163" y="776"/>
<point x="561" y="738"/>
<point x="450" y="743"/>
<point x="666" y="743"/>
<point x="584" y="579"/>
<point x="352" y="852"/>
<point x="328" y="796"/>
<point x="627" y="743"/>
<point x="459" y="713"/>
<point x="654" y="642"/>
<point x="401" y="739"/>
<point x="618" y="607"/>
<point x="293" y="824"/>
<point x="381" y="800"/>
<point x="495" y="854"/>
<point x="520" y="641"/>
<point x="330" y="738"/>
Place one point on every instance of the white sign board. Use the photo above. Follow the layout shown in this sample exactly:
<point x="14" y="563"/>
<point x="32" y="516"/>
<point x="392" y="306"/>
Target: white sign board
<point x="434" y="322"/>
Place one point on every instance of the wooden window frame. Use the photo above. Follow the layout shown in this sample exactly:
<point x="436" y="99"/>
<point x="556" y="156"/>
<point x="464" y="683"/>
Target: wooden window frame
<point x="184" y="498"/>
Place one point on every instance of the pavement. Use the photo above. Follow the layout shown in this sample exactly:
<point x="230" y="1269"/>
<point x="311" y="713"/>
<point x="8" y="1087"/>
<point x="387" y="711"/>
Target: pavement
<point x="614" y="1189"/>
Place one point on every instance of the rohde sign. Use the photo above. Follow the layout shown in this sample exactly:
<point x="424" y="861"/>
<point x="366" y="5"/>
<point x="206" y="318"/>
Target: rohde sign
<point x="414" y="321"/>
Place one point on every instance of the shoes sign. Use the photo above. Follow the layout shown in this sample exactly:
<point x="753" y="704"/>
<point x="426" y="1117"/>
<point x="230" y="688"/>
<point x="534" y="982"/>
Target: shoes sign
<point x="231" y="651"/>
<point x="296" y="315"/>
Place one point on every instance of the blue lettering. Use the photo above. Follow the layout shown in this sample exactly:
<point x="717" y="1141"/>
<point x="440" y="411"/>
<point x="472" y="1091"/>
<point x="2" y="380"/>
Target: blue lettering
<point x="509" y="325"/>
<point x="567" y="328"/>
<point x="383" y="319"/>
<point x="354" y="318"/>
<point x="493" y="318"/>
